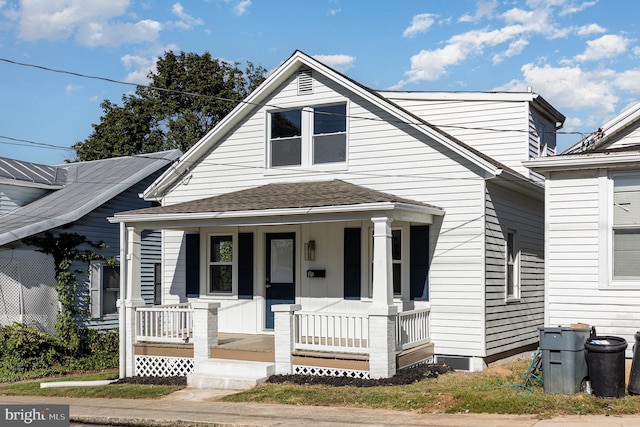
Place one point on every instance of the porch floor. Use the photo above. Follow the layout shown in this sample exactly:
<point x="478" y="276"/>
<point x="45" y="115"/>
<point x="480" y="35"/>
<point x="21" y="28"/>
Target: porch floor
<point x="259" y="347"/>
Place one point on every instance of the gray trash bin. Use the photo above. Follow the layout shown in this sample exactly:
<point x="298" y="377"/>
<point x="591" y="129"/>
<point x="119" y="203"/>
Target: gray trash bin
<point x="564" y="363"/>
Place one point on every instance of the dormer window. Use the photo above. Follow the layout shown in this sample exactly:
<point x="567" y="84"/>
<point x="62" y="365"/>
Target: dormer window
<point x="308" y="136"/>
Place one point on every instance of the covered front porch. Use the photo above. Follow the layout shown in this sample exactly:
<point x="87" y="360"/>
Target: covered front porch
<point x="338" y="281"/>
<point x="166" y="343"/>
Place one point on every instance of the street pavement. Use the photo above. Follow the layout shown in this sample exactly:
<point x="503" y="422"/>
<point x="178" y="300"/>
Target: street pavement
<point x="193" y="406"/>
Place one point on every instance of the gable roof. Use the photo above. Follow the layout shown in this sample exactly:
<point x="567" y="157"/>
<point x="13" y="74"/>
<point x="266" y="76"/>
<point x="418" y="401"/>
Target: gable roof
<point x="281" y="199"/>
<point x="86" y="186"/>
<point x="280" y="75"/>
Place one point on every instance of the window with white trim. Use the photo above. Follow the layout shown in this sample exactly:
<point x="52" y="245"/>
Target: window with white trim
<point x="626" y="226"/>
<point x="220" y="268"/>
<point x="512" y="261"/>
<point x="105" y="289"/>
<point x="308" y="136"/>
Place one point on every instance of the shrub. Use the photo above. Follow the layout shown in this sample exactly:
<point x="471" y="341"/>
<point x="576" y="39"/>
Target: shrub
<point x="27" y="352"/>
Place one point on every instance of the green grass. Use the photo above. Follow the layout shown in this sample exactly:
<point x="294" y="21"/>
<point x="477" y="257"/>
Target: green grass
<point x="491" y="391"/>
<point x="111" y="391"/>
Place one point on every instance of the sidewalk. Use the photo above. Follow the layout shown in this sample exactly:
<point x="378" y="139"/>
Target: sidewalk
<point x="176" y="409"/>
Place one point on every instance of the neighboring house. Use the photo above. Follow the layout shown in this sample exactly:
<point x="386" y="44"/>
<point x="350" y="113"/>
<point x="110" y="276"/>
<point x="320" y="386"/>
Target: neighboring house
<point x="345" y="233"/>
<point x="593" y="229"/>
<point x="70" y="198"/>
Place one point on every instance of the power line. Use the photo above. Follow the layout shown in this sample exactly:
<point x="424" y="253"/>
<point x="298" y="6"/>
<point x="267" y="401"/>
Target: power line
<point x="218" y="98"/>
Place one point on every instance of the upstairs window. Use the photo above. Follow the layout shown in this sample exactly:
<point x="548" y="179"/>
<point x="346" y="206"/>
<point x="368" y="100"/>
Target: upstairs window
<point x="308" y="136"/>
<point x="286" y="138"/>
<point x="329" y="134"/>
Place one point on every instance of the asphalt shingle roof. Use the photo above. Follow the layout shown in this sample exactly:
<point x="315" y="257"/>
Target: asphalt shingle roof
<point x="283" y="196"/>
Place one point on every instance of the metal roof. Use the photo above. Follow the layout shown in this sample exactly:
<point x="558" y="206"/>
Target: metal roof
<point x="87" y="185"/>
<point x="27" y="174"/>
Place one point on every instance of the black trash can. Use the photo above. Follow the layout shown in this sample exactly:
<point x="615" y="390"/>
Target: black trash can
<point x="605" y="360"/>
<point x="634" y="376"/>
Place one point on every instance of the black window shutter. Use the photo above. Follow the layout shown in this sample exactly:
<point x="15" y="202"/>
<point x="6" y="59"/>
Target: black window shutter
<point x="192" y="265"/>
<point x="352" y="265"/>
<point x="245" y="265"/>
<point x="419" y="262"/>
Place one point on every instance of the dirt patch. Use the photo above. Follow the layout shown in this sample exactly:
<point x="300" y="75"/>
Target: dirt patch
<point x="402" y="377"/>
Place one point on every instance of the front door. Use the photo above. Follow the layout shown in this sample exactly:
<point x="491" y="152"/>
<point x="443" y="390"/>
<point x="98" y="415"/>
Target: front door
<point x="280" y="269"/>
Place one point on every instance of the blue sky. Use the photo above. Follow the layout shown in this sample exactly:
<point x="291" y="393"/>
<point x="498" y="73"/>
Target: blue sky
<point x="581" y="56"/>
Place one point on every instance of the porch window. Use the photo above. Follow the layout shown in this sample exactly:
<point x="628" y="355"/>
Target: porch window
<point x="308" y="136"/>
<point x="105" y="289"/>
<point x="626" y="226"/>
<point x="512" y="276"/>
<point x="221" y="264"/>
<point x="396" y="260"/>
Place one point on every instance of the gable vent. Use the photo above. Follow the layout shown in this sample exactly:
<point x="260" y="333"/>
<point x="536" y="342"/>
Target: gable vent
<point x="305" y="81"/>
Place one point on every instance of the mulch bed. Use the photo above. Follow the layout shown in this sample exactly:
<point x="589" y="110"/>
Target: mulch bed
<point x="402" y="377"/>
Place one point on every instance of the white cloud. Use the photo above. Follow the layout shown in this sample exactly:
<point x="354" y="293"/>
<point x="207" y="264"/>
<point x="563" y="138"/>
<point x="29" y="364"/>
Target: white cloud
<point x="70" y="88"/>
<point x="571" y="8"/>
<point x="92" y="23"/>
<point x="144" y="63"/>
<point x="420" y="24"/>
<point x="116" y="34"/>
<point x="484" y="10"/>
<point x="586" y="30"/>
<point x="334" y="12"/>
<point x="570" y="87"/>
<point x="607" y="46"/>
<point x="186" y="21"/>
<point x="240" y="7"/>
<point x="340" y="62"/>
<point x="515" y="48"/>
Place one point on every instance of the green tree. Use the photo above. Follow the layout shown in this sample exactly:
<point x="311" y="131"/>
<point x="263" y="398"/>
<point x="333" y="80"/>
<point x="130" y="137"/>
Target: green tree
<point x="187" y="96"/>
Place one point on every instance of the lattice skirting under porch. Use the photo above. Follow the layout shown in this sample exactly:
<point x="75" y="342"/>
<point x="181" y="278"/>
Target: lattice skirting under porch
<point x="330" y="372"/>
<point x="163" y="366"/>
<point x="429" y="360"/>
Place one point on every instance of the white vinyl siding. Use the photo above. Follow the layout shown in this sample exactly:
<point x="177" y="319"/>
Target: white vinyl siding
<point x="578" y="277"/>
<point x="382" y="156"/>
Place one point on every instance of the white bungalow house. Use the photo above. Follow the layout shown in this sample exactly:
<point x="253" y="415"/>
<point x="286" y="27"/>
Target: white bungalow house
<point x="324" y="227"/>
<point x="593" y="229"/>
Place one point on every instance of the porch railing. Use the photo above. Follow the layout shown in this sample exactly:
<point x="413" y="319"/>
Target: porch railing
<point x="412" y="329"/>
<point x="346" y="333"/>
<point x="164" y="323"/>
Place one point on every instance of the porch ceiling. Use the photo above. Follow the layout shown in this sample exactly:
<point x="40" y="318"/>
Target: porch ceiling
<point x="285" y="203"/>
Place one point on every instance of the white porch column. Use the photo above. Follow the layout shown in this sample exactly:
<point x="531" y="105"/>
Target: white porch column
<point x="284" y="339"/>
<point x="130" y="296"/>
<point x="130" y="307"/>
<point x="382" y="313"/>
<point x="382" y="273"/>
<point x="205" y="329"/>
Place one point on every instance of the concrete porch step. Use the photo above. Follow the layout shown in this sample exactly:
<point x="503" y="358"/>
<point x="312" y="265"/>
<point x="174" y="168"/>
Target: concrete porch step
<point x="229" y="374"/>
